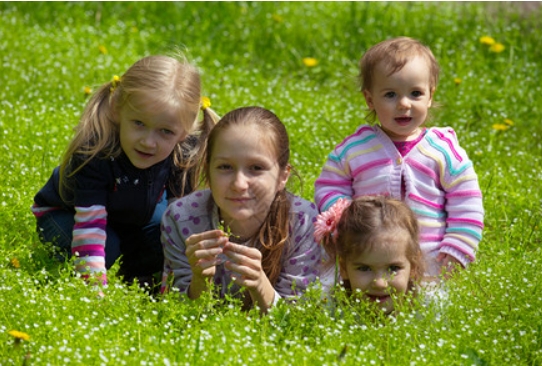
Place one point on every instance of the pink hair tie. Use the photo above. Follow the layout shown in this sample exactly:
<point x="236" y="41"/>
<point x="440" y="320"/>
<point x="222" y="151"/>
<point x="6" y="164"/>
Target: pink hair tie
<point x="326" y="222"/>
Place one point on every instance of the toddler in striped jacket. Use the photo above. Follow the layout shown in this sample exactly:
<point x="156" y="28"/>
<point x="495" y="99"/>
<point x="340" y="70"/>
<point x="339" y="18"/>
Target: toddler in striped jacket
<point x="401" y="158"/>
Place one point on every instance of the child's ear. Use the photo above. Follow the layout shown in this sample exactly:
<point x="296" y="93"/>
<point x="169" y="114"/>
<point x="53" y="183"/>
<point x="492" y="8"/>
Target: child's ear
<point x="368" y="98"/>
<point x="432" y="92"/>
<point x="283" y="178"/>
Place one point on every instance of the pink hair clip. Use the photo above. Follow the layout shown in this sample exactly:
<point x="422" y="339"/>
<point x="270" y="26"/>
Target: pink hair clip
<point x="326" y="222"/>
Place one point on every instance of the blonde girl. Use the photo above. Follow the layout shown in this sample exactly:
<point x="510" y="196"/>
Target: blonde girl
<point x="246" y="230"/>
<point x="133" y="149"/>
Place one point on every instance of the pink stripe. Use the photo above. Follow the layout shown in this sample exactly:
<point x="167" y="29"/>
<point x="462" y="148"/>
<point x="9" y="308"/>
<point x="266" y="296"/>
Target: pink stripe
<point x="357" y="133"/>
<point x="373" y="164"/>
<point x="424" y="169"/>
<point x="92" y="213"/>
<point x="424" y="238"/>
<point x="325" y="198"/>
<point x="99" y="221"/>
<point x="95" y="247"/>
<point x="99" y="237"/>
<point x="450" y="144"/>
<point x="331" y="182"/>
<point x="473" y="193"/>
<point x="462" y="250"/>
<point x="466" y="221"/>
<point x="424" y="201"/>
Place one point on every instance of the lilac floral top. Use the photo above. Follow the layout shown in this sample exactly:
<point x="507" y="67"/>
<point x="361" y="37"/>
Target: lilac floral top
<point x="197" y="213"/>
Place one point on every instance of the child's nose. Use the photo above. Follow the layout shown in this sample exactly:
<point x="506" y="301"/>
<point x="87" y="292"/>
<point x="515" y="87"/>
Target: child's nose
<point x="380" y="282"/>
<point x="403" y="103"/>
<point x="148" y="140"/>
<point x="240" y="181"/>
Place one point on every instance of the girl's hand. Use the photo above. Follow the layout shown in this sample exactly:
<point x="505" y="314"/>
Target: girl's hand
<point x="246" y="264"/>
<point x="202" y="250"/>
<point x="448" y="265"/>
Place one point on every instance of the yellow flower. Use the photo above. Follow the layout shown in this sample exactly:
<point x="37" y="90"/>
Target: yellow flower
<point x="457" y="81"/>
<point x="15" y="263"/>
<point x="87" y="90"/>
<point x="497" y="47"/>
<point x="19" y="335"/>
<point x="487" y="40"/>
<point x="500" y="127"/>
<point x="102" y="49"/>
<point x="277" y="18"/>
<point x="205" y="103"/>
<point x="509" y="122"/>
<point x="310" y="61"/>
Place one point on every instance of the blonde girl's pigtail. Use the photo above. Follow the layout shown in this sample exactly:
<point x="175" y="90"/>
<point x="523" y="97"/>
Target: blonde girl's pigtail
<point x="96" y="133"/>
<point x="194" y="147"/>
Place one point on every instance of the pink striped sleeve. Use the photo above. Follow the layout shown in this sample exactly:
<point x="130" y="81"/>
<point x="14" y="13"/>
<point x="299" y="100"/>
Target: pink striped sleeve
<point x="88" y="243"/>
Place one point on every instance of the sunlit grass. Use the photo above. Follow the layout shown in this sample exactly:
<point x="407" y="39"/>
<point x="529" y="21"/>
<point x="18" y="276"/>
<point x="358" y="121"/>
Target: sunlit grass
<point x="299" y="60"/>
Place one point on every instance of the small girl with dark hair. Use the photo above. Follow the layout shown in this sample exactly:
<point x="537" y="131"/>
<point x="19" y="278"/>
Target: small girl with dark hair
<point x="246" y="230"/>
<point x="374" y="242"/>
<point x="133" y="150"/>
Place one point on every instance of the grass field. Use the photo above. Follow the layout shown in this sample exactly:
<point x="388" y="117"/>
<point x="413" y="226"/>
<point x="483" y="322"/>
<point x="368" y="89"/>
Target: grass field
<point x="252" y="54"/>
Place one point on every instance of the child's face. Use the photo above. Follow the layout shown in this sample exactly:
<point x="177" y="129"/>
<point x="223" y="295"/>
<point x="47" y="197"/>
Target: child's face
<point x="148" y="135"/>
<point x="402" y="99"/>
<point x="380" y="271"/>
<point x="244" y="177"/>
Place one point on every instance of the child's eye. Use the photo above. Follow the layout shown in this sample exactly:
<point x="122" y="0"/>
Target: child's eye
<point x="389" y="95"/>
<point x="364" y="268"/>
<point x="394" y="269"/>
<point x="257" y="168"/>
<point x="224" y="167"/>
<point x="417" y="93"/>
<point x="165" y="131"/>
<point x="138" y="123"/>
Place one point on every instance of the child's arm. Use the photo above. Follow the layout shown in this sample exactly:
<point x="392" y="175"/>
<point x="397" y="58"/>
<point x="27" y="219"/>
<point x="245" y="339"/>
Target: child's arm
<point x="246" y="263"/>
<point x="202" y="252"/>
<point x="463" y="204"/>
<point x="333" y="183"/>
<point x="190" y="260"/>
<point x="88" y="243"/>
<point x="89" y="231"/>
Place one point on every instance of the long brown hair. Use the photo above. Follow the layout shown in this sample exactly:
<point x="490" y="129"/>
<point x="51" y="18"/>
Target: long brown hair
<point x="274" y="231"/>
<point x="171" y="82"/>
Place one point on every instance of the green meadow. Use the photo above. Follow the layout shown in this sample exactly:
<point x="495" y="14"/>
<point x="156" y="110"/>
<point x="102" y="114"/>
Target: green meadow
<point x="249" y="53"/>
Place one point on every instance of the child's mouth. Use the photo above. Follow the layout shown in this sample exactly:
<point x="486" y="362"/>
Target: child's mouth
<point x="403" y="120"/>
<point x="380" y="298"/>
<point x="143" y="154"/>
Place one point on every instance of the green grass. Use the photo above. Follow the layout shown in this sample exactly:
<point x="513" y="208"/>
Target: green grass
<point x="251" y="53"/>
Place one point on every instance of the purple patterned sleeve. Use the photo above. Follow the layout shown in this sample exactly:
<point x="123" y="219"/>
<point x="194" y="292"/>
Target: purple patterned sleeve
<point x="183" y="218"/>
<point x="301" y="260"/>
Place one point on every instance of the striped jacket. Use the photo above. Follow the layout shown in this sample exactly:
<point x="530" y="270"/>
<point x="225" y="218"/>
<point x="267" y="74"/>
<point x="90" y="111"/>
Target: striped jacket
<point x="441" y="186"/>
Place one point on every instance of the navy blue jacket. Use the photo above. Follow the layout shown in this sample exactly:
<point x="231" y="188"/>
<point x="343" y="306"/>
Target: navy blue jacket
<point x="129" y="194"/>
